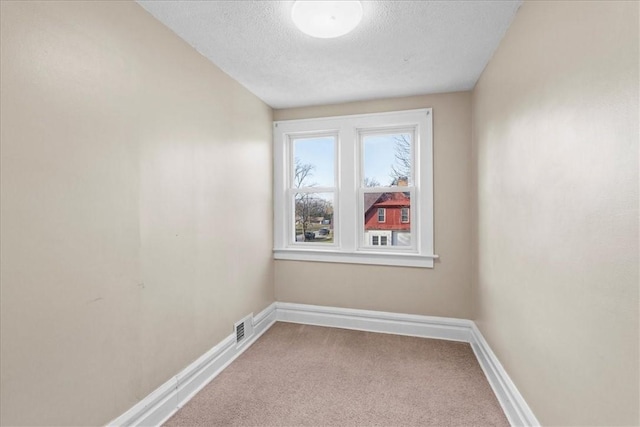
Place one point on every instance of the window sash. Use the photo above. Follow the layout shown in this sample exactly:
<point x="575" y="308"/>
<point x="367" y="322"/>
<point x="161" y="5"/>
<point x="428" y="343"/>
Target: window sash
<point x="291" y="161"/>
<point x="363" y="133"/>
<point x="364" y="244"/>
<point x="292" y="235"/>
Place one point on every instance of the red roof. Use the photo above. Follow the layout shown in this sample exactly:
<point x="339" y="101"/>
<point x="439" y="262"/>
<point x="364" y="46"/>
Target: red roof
<point x="397" y="199"/>
<point x="403" y="203"/>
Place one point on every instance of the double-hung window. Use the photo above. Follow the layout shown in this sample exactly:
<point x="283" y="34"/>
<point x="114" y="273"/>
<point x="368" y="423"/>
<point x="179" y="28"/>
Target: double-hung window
<point x="405" y="215"/>
<point x="355" y="189"/>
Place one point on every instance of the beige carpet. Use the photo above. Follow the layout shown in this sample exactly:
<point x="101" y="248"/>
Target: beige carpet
<point x="297" y="375"/>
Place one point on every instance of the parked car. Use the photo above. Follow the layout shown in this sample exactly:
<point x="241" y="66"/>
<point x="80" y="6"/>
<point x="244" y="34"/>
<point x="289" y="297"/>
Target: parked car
<point x="309" y="235"/>
<point x="323" y="232"/>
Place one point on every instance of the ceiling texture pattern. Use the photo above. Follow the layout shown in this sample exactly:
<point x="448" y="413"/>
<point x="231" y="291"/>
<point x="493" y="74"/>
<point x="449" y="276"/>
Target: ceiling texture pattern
<point x="400" y="48"/>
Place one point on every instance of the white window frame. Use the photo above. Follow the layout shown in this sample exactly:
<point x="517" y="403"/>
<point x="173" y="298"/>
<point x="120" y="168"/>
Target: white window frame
<point x="348" y="216"/>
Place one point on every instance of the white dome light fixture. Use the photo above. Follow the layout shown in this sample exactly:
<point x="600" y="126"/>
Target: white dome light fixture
<point x="326" y="19"/>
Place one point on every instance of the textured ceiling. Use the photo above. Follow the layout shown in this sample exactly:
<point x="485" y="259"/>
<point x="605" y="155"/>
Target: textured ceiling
<point x="400" y="48"/>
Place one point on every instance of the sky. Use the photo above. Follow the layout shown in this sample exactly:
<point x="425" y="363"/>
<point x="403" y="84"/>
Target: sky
<point x="379" y="156"/>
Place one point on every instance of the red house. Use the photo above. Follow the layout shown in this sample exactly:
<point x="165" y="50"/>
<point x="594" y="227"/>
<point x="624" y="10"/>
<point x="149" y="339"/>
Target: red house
<point x="387" y="219"/>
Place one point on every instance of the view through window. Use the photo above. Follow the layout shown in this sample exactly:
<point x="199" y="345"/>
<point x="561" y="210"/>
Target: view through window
<point x="355" y="189"/>
<point x="313" y="169"/>
<point x="388" y="162"/>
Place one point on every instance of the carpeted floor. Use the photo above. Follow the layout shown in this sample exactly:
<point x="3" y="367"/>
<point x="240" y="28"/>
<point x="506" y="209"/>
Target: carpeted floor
<point x="297" y="375"/>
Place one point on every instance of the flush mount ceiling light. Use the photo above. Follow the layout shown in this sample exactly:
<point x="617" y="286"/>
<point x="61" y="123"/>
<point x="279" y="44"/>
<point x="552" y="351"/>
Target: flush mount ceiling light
<point x="326" y="19"/>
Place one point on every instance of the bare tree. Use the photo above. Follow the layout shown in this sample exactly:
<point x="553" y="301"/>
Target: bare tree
<point x="371" y="182"/>
<point x="303" y="171"/>
<point x="401" y="169"/>
<point x="303" y="209"/>
<point x="306" y="205"/>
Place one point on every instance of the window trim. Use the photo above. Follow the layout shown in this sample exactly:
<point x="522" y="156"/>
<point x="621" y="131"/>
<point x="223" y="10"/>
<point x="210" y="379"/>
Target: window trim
<point x="384" y="215"/>
<point x="347" y="246"/>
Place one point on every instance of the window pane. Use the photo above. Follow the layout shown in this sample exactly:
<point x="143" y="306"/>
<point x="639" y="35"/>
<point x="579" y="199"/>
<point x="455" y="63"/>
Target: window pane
<point x="384" y="223"/>
<point x="314" y="160"/>
<point x="313" y="217"/>
<point x="388" y="159"/>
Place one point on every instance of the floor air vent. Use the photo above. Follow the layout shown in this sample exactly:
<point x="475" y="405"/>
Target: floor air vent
<point x="239" y="332"/>
<point x="244" y="329"/>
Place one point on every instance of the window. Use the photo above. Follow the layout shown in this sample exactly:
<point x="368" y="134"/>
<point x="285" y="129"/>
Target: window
<point x="312" y="187"/>
<point x="381" y="214"/>
<point x="355" y="189"/>
<point x="379" y="238"/>
<point x="405" y="215"/>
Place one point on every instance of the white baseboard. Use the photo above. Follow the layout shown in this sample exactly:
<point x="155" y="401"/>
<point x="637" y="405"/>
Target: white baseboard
<point x="376" y="321"/>
<point x="514" y="406"/>
<point x="163" y="402"/>
<point x="512" y="402"/>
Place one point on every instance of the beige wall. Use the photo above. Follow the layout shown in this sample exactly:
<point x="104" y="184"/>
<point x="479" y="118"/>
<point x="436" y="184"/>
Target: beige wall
<point x="442" y="291"/>
<point x="136" y="209"/>
<point x="556" y="134"/>
<point x="120" y="233"/>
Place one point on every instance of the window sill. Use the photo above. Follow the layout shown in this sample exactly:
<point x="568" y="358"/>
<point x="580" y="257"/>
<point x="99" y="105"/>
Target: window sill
<point x="370" y="258"/>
